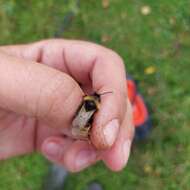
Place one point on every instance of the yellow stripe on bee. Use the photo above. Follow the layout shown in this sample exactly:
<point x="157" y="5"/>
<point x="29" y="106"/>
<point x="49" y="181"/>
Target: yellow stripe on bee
<point x="89" y="98"/>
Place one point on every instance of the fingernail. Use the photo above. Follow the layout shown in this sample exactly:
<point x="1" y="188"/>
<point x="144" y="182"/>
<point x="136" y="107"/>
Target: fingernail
<point x="111" y="131"/>
<point x="85" y="158"/>
<point x="126" y="150"/>
<point x="52" y="149"/>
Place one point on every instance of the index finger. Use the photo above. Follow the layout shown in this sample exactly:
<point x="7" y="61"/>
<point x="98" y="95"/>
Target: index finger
<point x="108" y="75"/>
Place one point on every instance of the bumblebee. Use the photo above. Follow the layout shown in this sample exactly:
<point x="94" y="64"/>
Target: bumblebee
<point x="83" y="119"/>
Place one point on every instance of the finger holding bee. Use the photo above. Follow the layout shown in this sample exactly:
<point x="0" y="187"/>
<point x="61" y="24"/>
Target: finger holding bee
<point x="117" y="156"/>
<point x="107" y="122"/>
<point x="109" y="75"/>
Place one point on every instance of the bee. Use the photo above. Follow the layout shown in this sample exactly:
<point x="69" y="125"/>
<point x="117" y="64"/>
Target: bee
<point x="82" y="122"/>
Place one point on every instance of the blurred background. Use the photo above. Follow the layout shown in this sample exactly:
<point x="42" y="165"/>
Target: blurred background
<point x="153" y="37"/>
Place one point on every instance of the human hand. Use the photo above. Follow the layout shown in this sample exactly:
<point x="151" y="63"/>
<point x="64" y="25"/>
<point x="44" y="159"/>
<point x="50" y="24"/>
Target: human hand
<point x="39" y="101"/>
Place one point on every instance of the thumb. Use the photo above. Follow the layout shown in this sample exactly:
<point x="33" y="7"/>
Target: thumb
<point x="38" y="91"/>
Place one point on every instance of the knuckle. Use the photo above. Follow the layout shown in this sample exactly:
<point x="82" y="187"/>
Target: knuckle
<point x="119" y="60"/>
<point x="116" y="57"/>
<point x="49" y="42"/>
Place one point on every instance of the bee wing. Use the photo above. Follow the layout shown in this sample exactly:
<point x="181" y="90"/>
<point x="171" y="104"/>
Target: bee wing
<point x="80" y="123"/>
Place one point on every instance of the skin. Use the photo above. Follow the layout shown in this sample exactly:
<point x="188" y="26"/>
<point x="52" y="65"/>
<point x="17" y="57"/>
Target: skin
<point x="39" y="96"/>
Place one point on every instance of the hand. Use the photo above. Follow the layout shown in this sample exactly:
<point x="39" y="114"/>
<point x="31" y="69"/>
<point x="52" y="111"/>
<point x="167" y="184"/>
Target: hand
<point x="39" y="96"/>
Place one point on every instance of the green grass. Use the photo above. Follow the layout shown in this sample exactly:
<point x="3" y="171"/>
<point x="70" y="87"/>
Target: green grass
<point x="161" y="40"/>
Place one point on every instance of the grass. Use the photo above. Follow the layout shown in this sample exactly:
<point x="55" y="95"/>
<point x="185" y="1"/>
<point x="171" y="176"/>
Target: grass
<point x="159" y="40"/>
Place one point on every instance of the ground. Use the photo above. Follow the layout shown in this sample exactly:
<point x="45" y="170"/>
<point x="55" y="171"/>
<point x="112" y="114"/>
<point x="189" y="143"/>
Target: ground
<point x="153" y="37"/>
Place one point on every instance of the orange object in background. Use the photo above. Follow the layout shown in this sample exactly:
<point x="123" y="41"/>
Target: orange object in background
<point x="141" y="117"/>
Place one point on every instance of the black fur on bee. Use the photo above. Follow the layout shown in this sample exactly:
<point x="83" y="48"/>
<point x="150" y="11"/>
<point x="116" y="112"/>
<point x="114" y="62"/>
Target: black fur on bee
<point x="91" y="102"/>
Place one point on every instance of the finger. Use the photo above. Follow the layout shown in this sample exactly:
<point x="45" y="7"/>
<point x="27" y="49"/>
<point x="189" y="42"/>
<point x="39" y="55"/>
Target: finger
<point x="110" y="116"/>
<point x="38" y="91"/>
<point x="53" y="147"/>
<point x="117" y="157"/>
<point x="80" y="156"/>
<point x="74" y="156"/>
